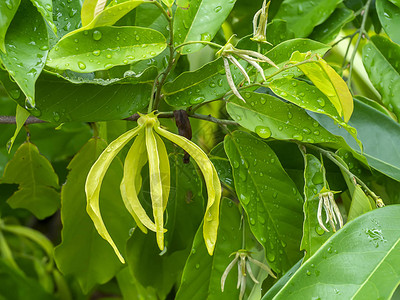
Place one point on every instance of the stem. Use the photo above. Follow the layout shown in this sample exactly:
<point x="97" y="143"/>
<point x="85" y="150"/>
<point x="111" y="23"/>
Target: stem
<point x="334" y="158"/>
<point x="11" y="120"/>
<point x="360" y="34"/>
<point x="214" y="120"/>
<point x="171" y="60"/>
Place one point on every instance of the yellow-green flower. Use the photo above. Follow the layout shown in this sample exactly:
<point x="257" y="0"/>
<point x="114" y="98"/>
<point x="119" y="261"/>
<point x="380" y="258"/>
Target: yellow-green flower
<point x="149" y="147"/>
<point x="260" y="27"/>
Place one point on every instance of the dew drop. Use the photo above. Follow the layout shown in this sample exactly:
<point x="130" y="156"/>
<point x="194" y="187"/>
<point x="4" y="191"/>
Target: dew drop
<point x="56" y="116"/>
<point x="263" y="132"/>
<point x="321" y="102"/>
<point x="235" y="164"/>
<point x="206" y="36"/>
<point x="97" y="35"/>
<point x="96" y="52"/>
<point x="81" y="65"/>
<point x="271" y="256"/>
<point x="218" y="8"/>
<point x="109" y="56"/>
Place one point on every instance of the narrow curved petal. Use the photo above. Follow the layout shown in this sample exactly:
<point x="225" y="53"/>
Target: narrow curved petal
<point x="164" y="170"/>
<point x="156" y="190"/>
<point x="132" y="181"/>
<point x="94" y="180"/>
<point x="211" y="219"/>
<point x="229" y="78"/>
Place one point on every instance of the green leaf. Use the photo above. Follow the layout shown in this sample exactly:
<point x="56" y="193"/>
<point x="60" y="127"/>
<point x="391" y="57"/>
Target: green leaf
<point x="224" y="171"/>
<point x="93" y="260"/>
<point x="303" y="15"/>
<point x="37" y="182"/>
<point x="132" y="289"/>
<point x="389" y="15"/>
<point x="67" y="102"/>
<point x="381" y="59"/>
<point x="368" y="245"/>
<point x="109" y="16"/>
<point x="396" y="2"/>
<point x="67" y="17"/>
<point x="311" y="98"/>
<point x="105" y="47"/>
<point x="21" y="116"/>
<point x="26" y="49"/>
<point x="15" y="285"/>
<point x="7" y="12"/>
<point x="270" y="198"/>
<point x="313" y="235"/>
<point x="185" y="204"/>
<point x="325" y="78"/>
<point x="360" y="204"/>
<point x="269" y="116"/>
<point x="168" y="3"/>
<point x="45" y="7"/>
<point x="207" y="83"/>
<point x="282" y="53"/>
<point x="329" y="30"/>
<point x="202" y="274"/>
<point x="199" y="20"/>
<point x="380" y="136"/>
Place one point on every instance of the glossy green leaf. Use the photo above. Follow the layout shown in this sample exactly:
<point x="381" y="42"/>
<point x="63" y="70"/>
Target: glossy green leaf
<point x="311" y="98"/>
<point x="381" y="59"/>
<point x="201" y="277"/>
<point x="45" y="7"/>
<point x="361" y="261"/>
<point x="360" y="204"/>
<point x="374" y="129"/>
<point x="67" y="102"/>
<point x="79" y="237"/>
<point x="329" y="30"/>
<point x="20" y="118"/>
<point x="66" y="16"/>
<point x="168" y="3"/>
<point x="105" y="47"/>
<point x="303" y="15"/>
<point x="26" y="49"/>
<point x="313" y="235"/>
<point x="271" y="117"/>
<point x="7" y="11"/>
<point x="89" y="11"/>
<point x="199" y="20"/>
<point x="224" y="170"/>
<point x="270" y="198"/>
<point x="325" y="78"/>
<point x="207" y="83"/>
<point x="37" y="182"/>
<point x="389" y="15"/>
<point x="109" y="16"/>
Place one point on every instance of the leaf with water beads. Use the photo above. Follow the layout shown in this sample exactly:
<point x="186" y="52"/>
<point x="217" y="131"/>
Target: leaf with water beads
<point x="105" y="47"/>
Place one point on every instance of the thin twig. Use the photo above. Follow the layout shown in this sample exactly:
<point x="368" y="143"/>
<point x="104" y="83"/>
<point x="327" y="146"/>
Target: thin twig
<point x="11" y="120"/>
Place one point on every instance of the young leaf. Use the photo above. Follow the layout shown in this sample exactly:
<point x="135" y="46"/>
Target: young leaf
<point x="389" y="15"/>
<point x="360" y="204"/>
<point x="268" y="116"/>
<point x="381" y="60"/>
<point x="311" y="98"/>
<point x="270" y="198"/>
<point x="303" y="15"/>
<point x="7" y="12"/>
<point x="26" y="50"/>
<point x="329" y="82"/>
<point x="199" y="20"/>
<point x="313" y="235"/>
<point x="369" y="245"/>
<point x="201" y="277"/>
<point x="105" y="47"/>
<point x="37" y="182"/>
<point x="94" y="261"/>
<point x="67" y="17"/>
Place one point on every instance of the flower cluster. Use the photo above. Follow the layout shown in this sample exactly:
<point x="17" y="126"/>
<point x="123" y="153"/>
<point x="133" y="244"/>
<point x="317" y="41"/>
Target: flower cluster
<point x="333" y="215"/>
<point x="260" y="28"/>
<point x="243" y="259"/>
<point x="148" y="147"/>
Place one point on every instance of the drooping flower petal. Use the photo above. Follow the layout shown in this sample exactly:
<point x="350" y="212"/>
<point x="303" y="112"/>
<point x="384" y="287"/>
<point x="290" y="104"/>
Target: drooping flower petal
<point x="132" y="182"/>
<point x="156" y="190"/>
<point x="211" y="219"/>
<point x="164" y="170"/>
<point x="94" y="180"/>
